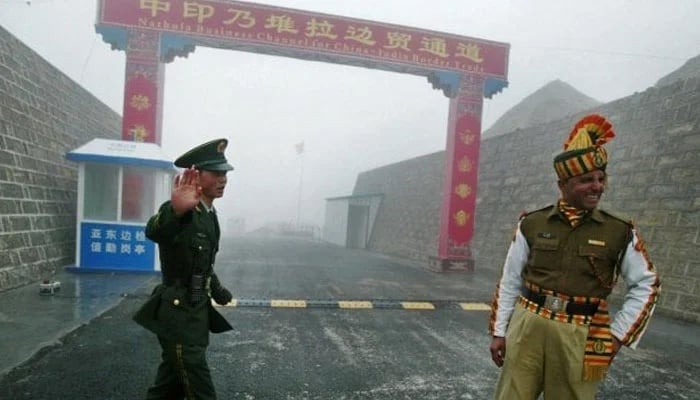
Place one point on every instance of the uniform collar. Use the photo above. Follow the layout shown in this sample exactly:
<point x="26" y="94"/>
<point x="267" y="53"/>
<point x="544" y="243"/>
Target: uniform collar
<point x="595" y="215"/>
<point x="205" y="208"/>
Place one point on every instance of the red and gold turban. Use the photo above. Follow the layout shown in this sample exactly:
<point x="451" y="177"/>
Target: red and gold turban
<point x="583" y="149"/>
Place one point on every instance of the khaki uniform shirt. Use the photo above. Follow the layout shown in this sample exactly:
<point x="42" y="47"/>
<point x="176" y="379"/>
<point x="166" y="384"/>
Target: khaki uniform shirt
<point x="580" y="261"/>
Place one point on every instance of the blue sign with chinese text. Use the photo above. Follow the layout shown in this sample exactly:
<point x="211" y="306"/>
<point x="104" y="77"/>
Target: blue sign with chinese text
<point x="114" y="246"/>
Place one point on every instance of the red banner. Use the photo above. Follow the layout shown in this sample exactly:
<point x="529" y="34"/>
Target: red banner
<point x="140" y="95"/>
<point x="462" y="203"/>
<point x="266" y="26"/>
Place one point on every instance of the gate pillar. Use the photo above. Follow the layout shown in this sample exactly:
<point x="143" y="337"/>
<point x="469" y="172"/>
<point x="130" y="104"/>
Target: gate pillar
<point x="143" y="105"/>
<point x="461" y="176"/>
<point x="143" y="91"/>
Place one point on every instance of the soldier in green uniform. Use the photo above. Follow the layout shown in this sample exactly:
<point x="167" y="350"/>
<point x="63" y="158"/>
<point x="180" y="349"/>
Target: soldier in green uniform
<point x="179" y="311"/>
<point x="550" y="325"/>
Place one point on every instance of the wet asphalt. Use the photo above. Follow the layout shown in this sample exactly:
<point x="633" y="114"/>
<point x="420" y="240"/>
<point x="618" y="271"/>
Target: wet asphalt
<point x="80" y="343"/>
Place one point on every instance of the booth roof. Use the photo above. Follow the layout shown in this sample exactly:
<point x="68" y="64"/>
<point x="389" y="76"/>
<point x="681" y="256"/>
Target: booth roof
<point x="121" y="152"/>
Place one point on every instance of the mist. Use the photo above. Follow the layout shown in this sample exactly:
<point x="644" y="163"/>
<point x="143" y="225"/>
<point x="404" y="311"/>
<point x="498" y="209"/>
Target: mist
<point x="352" y="119"/>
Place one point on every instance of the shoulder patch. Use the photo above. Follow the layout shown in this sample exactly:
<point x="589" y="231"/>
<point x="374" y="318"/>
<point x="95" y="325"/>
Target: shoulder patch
<point x="543" y="209"/>
<point x="627" y="221"/>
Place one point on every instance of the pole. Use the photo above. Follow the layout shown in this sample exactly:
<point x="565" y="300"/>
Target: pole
<point x="301" y="182"/>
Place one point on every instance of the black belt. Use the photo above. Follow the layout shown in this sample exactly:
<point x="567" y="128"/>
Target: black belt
<point x="557" y="304"/>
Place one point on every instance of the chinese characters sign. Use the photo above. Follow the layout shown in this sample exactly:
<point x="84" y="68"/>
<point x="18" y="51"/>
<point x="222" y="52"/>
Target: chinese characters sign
<point x="115" y="247"/>
<point x="309" y="33"/>
<point x="153" y="32"/>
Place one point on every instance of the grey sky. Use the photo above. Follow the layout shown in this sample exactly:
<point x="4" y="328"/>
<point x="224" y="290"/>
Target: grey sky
<point x="353" y="119"/>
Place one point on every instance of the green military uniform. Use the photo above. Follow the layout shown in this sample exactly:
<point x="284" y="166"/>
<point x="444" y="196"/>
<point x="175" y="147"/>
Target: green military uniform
<point x="179" y="310"/>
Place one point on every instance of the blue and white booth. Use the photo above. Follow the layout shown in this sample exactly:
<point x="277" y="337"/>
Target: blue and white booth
<point x="120" y="185"/>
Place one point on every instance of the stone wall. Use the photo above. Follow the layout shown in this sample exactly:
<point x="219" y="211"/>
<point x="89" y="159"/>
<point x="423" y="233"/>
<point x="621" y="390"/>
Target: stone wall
<point x="43" y="115"/>
<point x="406" y="224"/>
<point x="654" y="180"/>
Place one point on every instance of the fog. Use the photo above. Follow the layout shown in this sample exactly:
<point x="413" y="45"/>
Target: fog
<point x="352" y="119"/>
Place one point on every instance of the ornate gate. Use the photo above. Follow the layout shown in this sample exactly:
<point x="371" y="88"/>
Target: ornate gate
<point x="154" y="32"/>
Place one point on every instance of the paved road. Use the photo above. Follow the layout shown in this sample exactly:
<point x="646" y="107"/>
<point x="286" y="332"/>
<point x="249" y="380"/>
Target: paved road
<point x="333" y="354"/>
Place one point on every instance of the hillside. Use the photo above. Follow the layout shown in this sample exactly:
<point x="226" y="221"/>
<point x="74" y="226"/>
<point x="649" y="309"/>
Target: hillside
<point x="551" y="102"/>
<point x="690" y="69"/>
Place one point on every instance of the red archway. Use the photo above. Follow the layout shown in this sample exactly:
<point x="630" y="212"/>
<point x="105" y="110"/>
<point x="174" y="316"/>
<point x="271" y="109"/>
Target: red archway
<point x="154" y="32"/>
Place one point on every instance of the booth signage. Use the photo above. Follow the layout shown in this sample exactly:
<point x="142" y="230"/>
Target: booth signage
<point x="115" y="246"/>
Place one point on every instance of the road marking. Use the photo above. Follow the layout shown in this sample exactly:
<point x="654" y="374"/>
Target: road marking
<point x="288" y="303"/>
<point x="417" y="305"/>
<point x="355" y="304"/>
<point x="475" y="306"/>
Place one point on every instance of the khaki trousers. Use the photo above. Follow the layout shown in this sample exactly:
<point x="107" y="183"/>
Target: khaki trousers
<point x="543" y="356"/>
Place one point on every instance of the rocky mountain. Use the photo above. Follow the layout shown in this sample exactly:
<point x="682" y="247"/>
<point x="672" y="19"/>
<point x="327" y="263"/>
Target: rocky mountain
<point x="690" y="69"/>
<point x="553" y="101"/>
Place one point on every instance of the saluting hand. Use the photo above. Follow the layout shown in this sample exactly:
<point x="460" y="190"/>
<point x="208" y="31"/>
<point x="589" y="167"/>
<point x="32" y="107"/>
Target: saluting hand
<point x="186" y="191"/>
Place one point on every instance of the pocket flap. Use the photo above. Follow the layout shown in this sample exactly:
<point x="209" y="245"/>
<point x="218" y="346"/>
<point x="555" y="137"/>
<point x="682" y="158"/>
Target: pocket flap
<point x="546" y="244"/>
<point x="592" y="251"/>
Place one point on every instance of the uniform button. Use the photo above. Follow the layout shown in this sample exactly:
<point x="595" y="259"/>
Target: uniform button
<point x="200" y="247"/>
<point x="176" y="302"/>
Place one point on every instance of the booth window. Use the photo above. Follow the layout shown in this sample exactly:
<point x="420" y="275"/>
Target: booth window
<point x="137" y="193"/>
<point x="101" y="189"/>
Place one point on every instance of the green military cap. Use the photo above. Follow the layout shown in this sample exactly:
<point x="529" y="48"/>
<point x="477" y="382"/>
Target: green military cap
<point x="208" y="156"/>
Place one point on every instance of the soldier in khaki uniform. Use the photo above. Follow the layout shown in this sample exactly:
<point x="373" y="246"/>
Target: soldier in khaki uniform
<point x="179" y="311"/>
<point x="550" y="325"/>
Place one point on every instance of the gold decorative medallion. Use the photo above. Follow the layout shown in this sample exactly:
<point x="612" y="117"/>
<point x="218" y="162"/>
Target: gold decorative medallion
<point x="139" y="133"/>
<point x="464" y="164"/>
<point x="221" y="146"/>
<point x="467" y="136"/>
<point x="461" y="217"/>
<point x="463" y="190"/>
<point x="140" y="102"/>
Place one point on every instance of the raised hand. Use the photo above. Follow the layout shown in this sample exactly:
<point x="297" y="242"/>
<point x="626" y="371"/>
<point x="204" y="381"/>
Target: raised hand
<point x="186" y="191"/>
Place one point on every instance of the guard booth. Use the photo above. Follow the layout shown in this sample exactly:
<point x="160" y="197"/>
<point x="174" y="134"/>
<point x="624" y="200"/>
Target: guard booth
<point x="349" y="219"/>
<point x="120" y="185"/>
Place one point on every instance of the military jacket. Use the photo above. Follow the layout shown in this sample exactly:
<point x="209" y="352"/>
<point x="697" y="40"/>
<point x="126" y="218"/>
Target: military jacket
<point x="579" y="261"/>
<point x="186" y="246"/>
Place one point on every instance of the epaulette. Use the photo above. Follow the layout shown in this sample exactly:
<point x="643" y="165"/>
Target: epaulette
<point x="543" y="209"/>
<point x="627" y="221"/>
